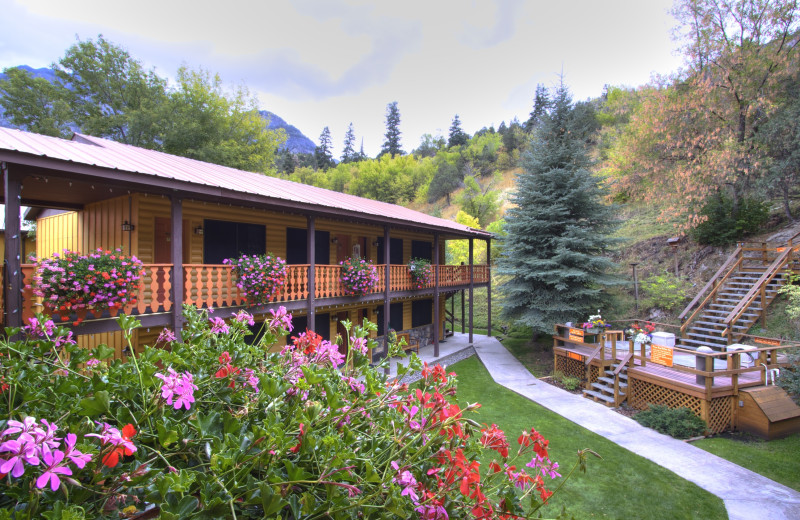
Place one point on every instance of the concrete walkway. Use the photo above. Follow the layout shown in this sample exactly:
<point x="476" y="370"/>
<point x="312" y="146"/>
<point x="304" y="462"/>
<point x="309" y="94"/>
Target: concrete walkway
<point x="746" y="495"/>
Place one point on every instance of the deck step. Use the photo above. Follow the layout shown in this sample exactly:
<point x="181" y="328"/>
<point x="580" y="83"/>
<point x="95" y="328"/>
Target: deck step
<point x="610" y="381"/>
<point x="609" y="400"/>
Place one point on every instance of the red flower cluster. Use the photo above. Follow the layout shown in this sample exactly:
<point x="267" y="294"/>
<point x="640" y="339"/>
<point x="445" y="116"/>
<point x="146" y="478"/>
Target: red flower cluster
<point x="307" y="341"/>
<point x="260" y="277"/>
<point x="495" y="439"/>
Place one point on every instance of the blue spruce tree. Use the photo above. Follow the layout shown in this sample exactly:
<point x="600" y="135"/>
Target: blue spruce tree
<point x="554" y="255"/>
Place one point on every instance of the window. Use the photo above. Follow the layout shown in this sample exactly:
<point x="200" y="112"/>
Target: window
<point x="223" y="239"/>
<point x="422" y="250"/>
<point x="395" y="317"/>
<point x="395" y="251"/>
<point x="297" y="251"/>
<point x="421" y="313"/>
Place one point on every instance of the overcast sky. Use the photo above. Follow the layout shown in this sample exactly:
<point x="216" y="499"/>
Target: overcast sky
<point x="320" y="63"/>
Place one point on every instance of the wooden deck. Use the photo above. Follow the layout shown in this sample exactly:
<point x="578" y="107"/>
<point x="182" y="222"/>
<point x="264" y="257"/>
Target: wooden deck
<point x="681" y="378"/>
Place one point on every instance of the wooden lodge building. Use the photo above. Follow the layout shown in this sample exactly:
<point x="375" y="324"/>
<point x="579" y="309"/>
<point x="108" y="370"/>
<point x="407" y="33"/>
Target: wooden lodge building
<point x="182" y="217"/>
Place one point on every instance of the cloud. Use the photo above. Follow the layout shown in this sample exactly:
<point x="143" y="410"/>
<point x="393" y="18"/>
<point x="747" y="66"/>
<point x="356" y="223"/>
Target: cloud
<point x="479" y="36"/>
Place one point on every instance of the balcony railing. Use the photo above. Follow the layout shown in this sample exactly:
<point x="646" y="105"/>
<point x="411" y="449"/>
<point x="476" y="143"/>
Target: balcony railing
<point x="206" y="285"/>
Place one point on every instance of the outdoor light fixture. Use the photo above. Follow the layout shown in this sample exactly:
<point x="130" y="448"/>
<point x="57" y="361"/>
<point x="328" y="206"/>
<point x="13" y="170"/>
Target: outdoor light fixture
<point x="375" y="242"/>
<point x="126" y="226"/>
<point x="334" y="240"/>
<point x="198" y="230"/>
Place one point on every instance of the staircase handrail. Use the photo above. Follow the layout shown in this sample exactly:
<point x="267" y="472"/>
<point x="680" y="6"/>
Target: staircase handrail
<point x="622" y="364"/>
<point x="715" y="282"/>
<point x="596" y="351"/>
<point x="754" y="291"/>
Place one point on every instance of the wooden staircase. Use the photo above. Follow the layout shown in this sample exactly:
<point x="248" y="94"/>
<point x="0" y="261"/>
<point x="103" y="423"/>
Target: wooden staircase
<point x="611" y="389"/>
<point x="737" y="296"/>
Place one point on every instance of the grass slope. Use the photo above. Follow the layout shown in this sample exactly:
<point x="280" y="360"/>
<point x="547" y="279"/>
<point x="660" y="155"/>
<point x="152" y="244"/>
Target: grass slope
<point x="621" y="485"/>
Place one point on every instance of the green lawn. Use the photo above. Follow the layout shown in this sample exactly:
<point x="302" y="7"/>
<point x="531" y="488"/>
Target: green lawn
<point x="776" y="460"/>
<point x="621" y="485"/>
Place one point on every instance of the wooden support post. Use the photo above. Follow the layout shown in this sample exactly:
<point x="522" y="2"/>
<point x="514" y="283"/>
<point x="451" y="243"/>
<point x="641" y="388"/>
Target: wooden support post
<point x="13" y="238"/>
<point x="463" y="319"/>
<point x="386" y="258"/>
<point x="177" y="264"/>
<point x="471" y="287"/>
<point x="489" y="286"/>
<point x="709" y="379"/>
<point x="311" y="260"/>
<point x="437" y="327"/>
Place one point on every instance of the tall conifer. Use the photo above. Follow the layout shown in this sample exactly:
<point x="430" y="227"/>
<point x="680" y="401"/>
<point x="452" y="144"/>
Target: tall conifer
<point x="558" y="228"/>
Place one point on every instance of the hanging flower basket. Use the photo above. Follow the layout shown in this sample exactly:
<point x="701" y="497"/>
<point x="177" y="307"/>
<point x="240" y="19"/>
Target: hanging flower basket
<point x="72" y="282"/>
<point x="260" y="277"/>
<point x="421" y="273"/>
<point x="358" y="276"/>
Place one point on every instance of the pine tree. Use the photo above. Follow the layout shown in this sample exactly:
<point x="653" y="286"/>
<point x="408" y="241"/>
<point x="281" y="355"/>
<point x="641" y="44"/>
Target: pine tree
<point x="322" y="154"/>
<point x="541" y="102"/>
<point x="457" y="136"/>
<point x="391" y="144"/>
<point x="348" y="152"/>
<point x="558" y="228"/>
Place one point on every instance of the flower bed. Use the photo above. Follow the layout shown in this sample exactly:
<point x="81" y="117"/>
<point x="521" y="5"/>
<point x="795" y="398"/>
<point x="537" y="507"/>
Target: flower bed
<point x="102" y="280"/>
<point x="259" y="276"/>
<point x="213" y="428"/>
<point x="358" y="276"/>
<point x="421" y="273"/>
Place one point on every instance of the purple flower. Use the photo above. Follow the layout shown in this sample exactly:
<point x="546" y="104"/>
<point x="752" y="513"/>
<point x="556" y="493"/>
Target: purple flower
<point x="178" y="388"/>
<point x="77" y="458"/>
<point x="55" y="467"/>
<point x="245" y="317"/>
<point x="166" y="336"/>
<point x="359" y="345"/>
<point x="23" y="451"/>
<point x="219" y="326"/>
<point x="281" y="319"/>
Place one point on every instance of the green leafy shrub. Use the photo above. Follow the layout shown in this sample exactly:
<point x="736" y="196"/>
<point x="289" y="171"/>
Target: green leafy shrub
<point x="665" y="291"/>
<point x="571" y="383"/>
<point x="723" y="226"/>
<point x="680" y="423"/>
<point x="211" y="427"/>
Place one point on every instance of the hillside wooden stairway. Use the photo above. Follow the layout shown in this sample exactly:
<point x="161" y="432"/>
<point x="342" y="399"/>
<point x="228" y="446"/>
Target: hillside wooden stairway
<point x="737" y="296"/>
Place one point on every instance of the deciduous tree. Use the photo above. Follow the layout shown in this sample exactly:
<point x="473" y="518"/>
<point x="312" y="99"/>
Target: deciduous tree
<point x="34" y="104"/>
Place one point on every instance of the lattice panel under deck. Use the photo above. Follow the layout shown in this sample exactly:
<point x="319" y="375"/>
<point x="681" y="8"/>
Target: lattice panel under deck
<point x="644" y="393"/>
<point x="720" y="414"/>
<point x="570" y="367"/>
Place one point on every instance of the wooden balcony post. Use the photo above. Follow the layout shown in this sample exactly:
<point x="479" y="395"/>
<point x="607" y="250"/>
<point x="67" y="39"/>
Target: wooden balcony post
<point x="489" y="286"/>
<point x="386" y="258"/>
<point x="177" y="264"/>
<point x="436" y="325"/>
<point x="311" y="242"/>
<point x="463" y="303"/>
<point x="13" y="263"/>
<point x="471" y="286"/>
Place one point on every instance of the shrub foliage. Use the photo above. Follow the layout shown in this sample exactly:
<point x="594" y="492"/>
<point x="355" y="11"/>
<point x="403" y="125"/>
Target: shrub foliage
<point x="680" y="423"/>
<point x="212" y="427"/>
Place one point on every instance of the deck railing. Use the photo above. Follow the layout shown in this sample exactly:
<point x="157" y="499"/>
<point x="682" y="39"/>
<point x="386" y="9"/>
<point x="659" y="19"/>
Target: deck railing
<point x="762" y="359"/>
<point x="207" y="285"/>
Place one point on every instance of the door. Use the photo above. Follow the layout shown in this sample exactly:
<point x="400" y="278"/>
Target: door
<point x="343" y="251"/>
<point x="297" y="250"/>
<point x="162" y="241"/>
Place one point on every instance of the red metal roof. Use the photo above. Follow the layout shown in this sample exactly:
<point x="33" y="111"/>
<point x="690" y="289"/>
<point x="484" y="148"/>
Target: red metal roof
<point x="102" y="153"/>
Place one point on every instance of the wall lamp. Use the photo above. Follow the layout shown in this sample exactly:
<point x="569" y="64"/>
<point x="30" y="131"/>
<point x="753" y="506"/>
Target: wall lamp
<point x="126" y="226"/>
<point x="375" y="243"/>
<point x="335" y="240"/>
<point x="198" y="230"/>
